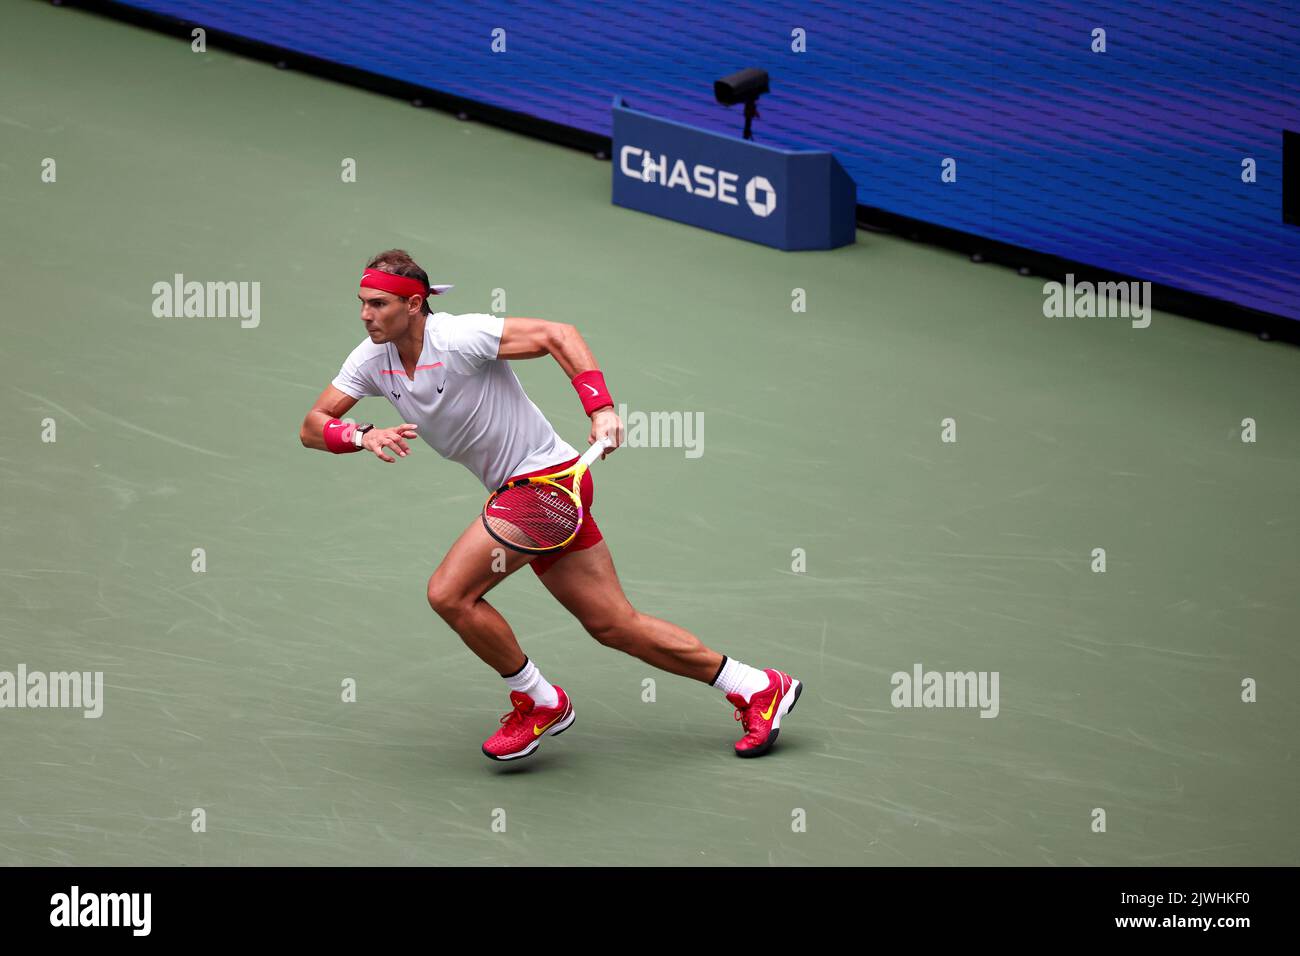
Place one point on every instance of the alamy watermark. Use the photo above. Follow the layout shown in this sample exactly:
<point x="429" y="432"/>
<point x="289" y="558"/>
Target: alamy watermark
<point x="73" y="689"/>
<point x="75" y="909"/>
<point x="922" y="688"/>
<point x="1104" y="300"/>
<point x="208" y="300"/>
<point x="663" y="430"/>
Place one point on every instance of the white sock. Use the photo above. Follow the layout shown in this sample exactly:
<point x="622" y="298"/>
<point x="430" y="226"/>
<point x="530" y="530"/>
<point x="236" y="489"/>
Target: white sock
<point x="531" y="682"/>
<point x="738" y="678"/>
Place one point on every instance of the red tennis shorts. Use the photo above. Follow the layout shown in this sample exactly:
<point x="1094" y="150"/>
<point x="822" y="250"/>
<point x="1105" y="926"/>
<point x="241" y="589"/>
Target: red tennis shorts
<point x="588" y="535"/>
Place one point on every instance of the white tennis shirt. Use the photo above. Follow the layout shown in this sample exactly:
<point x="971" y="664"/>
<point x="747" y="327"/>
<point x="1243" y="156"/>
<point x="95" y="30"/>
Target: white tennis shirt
<point x="466" y="404"/>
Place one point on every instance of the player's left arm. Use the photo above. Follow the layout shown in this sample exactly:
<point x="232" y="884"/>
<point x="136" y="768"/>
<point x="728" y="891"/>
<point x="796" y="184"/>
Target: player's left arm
<point x="533" y="338"/>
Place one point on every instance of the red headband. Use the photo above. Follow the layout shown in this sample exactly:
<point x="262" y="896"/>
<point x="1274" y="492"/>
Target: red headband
<point x="398" y="285"/>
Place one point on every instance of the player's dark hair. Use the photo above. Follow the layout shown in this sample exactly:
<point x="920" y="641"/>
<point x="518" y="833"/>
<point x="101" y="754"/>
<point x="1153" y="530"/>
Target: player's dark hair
<point x="400" y="263"/>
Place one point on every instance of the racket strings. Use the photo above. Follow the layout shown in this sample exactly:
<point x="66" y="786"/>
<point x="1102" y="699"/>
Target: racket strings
<point x="533" y="516"/>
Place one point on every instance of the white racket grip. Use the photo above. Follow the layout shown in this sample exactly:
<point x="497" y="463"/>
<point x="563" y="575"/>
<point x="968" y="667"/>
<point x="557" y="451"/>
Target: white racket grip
<point x="597" y="449"/>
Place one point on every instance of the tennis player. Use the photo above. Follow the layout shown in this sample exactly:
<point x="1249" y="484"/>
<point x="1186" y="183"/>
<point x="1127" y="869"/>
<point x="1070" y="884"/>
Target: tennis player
<point x="449" y="377"/>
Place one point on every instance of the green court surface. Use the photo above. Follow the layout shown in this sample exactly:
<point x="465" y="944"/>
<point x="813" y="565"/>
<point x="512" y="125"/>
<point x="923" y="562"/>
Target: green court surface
<point x="1119" y="691"/>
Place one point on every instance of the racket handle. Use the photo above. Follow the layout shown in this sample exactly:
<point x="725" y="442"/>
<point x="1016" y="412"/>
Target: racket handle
<point x="597" y="449"/>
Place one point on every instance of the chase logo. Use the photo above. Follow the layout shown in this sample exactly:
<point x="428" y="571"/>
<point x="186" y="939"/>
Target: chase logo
<point x="706" y="182"/>
<point x="756" y="185"/>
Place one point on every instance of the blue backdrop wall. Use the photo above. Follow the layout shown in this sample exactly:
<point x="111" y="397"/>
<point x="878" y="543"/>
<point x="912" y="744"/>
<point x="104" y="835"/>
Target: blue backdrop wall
<point x="1130" y="160"/>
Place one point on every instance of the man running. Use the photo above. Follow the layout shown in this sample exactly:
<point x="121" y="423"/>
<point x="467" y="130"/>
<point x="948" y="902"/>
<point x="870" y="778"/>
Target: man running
<point x="449" y="377"/>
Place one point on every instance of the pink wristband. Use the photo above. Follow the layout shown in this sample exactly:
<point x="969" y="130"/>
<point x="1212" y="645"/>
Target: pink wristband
<point x="338" y="436"/>
<point x="590" y="386"/>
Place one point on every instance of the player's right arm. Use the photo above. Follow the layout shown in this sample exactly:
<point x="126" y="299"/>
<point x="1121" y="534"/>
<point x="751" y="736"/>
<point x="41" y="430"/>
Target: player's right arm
<point x="334" y="403"/>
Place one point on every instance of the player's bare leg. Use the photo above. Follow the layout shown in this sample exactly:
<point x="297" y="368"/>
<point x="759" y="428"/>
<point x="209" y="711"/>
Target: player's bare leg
<point x="473" y="566"/>
<point x="585" y="582"/>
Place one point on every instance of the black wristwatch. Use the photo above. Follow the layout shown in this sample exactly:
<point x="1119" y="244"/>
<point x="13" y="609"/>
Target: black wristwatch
<point x="358" y="436"/>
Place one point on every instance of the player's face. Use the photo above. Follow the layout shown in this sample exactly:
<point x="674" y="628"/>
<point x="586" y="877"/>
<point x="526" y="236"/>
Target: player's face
<point x="386" y="316"/>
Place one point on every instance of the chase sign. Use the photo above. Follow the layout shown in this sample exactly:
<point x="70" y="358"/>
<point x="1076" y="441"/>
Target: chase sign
<point x="789" y="199"/>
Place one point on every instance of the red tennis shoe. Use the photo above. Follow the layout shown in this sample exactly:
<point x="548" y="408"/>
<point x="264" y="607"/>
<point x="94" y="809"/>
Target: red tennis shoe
<point x="761" y="716"/>
<point x="524" y="727"/>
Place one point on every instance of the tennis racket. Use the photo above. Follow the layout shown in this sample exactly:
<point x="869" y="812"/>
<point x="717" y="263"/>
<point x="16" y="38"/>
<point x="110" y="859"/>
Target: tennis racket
<point x="538" y="515"/>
